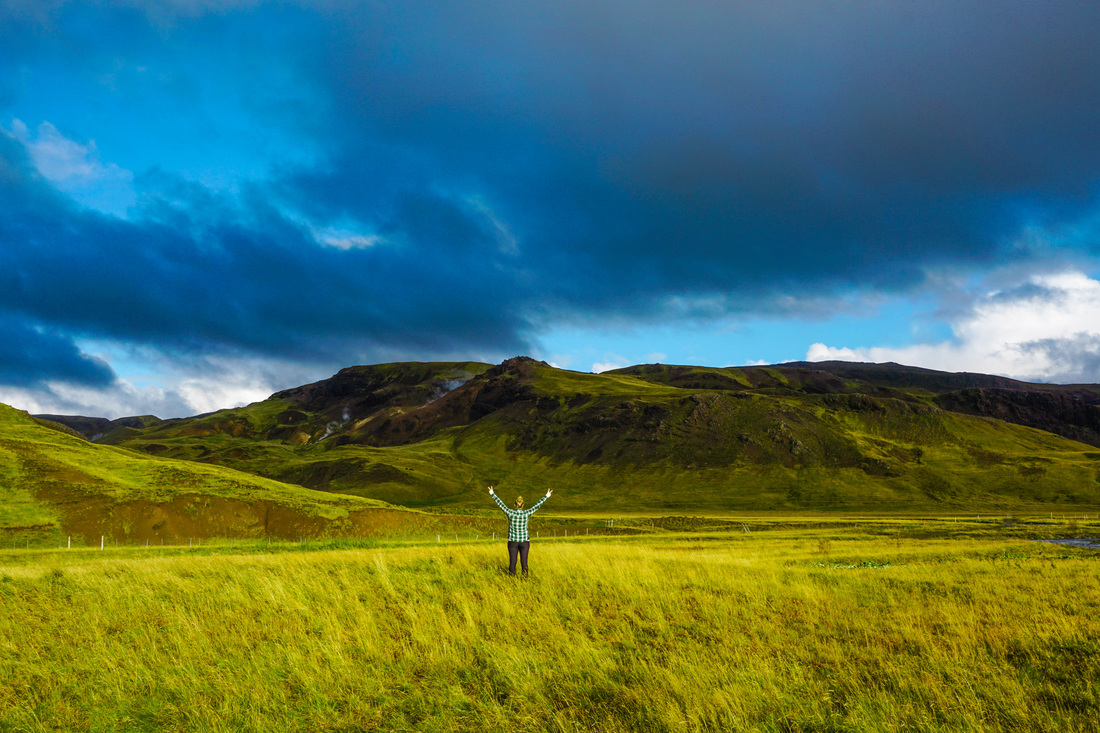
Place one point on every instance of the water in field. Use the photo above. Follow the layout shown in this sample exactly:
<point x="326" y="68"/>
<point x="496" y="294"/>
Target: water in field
<point x="1089" y="543"/>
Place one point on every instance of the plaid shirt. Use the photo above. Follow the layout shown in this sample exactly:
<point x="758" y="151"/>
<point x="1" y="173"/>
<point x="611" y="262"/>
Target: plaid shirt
<point x="517" y="519"/>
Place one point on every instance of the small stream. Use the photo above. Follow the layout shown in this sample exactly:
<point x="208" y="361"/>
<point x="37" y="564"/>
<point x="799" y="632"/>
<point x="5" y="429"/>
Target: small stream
<point x="1089" y="543"/>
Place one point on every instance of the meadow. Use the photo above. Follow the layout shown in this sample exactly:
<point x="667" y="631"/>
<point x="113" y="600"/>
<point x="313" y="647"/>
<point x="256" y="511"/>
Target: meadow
<point x="865" y="625"/>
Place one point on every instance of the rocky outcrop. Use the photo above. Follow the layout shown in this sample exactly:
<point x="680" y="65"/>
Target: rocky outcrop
<point x="1061" y="414"/>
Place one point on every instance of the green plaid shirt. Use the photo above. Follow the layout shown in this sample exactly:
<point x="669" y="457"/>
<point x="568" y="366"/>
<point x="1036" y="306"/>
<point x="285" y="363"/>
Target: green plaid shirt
<point x="517" y="519"/>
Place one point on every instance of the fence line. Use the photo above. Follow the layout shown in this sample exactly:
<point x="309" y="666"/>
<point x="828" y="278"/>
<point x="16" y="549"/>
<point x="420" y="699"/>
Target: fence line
<point x="615" y="525"/>
<point x="200" y="543"/>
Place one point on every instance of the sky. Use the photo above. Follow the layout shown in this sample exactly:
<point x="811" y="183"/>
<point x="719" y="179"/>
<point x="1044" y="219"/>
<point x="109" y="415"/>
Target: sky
<point x="205" y="201"/>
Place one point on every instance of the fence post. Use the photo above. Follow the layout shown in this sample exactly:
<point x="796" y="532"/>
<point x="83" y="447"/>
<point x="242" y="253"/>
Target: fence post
<point x="101" y="542"/>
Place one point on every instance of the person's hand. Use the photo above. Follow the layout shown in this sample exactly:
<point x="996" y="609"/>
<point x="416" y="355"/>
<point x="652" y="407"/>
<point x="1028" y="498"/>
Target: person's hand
<point x="549" y="492"/>
<point x="490" y="489"/>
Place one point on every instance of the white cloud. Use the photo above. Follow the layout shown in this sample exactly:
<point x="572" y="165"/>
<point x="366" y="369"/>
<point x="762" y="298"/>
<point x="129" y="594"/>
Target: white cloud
<point x="25" y="399"/>
<point x="1046" y="328"/>
<point x="208" y="395"/>
<point x="617" y="362"/>
<point x="76" y="169"/>
<point x="121" y="399"/>
<point x="345" y="238"/>
<point x="62" y="160"/>
<point x="166" y="385"/>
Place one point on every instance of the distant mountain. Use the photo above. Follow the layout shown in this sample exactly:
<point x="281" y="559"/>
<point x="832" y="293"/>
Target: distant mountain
<point x="916" y="378"/>
<point x="97" y="428"/>
<point x="1072" y="411"/>
<point x="657" y="437"/>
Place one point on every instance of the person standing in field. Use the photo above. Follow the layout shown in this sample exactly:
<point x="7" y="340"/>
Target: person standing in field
<point x="519" y="541"/>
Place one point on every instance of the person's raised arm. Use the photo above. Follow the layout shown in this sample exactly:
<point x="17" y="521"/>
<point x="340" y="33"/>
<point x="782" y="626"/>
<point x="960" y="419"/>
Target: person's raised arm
<point x="540" y="501"/>
<point x="496" y="498"/>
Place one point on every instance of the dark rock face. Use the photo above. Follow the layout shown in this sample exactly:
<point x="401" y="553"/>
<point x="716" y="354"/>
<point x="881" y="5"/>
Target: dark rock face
<point x="505" y="386"/>
<point x="1061" y="414"/>
<point x="899" y="376"/>
<point x="360" y="389"/>
<point x="374" y="392"/>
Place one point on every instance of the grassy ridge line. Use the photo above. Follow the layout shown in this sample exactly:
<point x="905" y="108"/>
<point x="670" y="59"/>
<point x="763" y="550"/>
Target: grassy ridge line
<point x="47" y="476"/>
<point x="622" y="440"/>
<point x="794" y="631"/>
<point x="32" y="452"/>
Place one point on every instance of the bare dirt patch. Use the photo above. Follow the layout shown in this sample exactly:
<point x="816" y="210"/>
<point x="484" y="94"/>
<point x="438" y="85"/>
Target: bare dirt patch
<point x="199" y="516"/>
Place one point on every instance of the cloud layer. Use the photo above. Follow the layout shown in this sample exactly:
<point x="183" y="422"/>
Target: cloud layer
<point x="333" y="182"/>
<point x="1046" y="329"/>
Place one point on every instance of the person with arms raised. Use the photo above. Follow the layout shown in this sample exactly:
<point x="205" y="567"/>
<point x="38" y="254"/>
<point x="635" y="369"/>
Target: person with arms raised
<point x="519" y="541"/>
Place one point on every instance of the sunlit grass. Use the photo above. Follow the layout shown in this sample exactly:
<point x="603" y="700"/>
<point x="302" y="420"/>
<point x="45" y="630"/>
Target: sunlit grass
<point x="784" y="629"/>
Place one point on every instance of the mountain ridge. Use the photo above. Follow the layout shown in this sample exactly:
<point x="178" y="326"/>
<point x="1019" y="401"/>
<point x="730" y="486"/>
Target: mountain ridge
<point x="428" y="434"/>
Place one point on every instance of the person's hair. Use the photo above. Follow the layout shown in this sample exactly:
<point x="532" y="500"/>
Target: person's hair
<point x="519" y="502"/>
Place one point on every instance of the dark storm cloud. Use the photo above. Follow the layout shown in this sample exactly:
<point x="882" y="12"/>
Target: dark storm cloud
<point x="31" y="357"/>
<point x="518" y="165"/>
<point x="706" y="147"/>
<point x="195" y="273"/>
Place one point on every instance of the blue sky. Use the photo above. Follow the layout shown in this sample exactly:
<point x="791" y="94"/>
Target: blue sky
<point x="204" y="202"/>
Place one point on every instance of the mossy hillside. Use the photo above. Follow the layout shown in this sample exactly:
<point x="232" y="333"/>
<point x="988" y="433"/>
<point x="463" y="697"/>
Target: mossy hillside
<point x="52" y="483"/>
<point x="623" y="441"/>
<point x="908" y="462"/>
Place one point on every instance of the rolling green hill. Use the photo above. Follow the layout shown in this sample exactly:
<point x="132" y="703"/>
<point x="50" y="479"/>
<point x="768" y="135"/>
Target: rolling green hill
<point x="55" y="485"/>
<point x="647" y="438"/>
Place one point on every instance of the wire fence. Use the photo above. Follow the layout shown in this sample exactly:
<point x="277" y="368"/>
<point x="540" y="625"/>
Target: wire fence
<point x="105" y="542"/>
<point x="1082" y="525"/>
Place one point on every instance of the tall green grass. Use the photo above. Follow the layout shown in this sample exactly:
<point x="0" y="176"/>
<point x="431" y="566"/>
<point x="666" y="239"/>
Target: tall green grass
<point x="797" y="629"/>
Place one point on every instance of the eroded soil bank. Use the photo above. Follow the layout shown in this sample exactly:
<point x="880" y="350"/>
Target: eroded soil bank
<point x="198" y="516"/>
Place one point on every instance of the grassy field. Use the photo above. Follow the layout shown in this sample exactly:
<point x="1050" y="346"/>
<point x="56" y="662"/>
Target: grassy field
<point x="886" y="625"/>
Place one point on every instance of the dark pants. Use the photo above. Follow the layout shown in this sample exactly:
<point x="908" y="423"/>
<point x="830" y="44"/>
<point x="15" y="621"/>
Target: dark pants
<point x="521" y="549"/>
